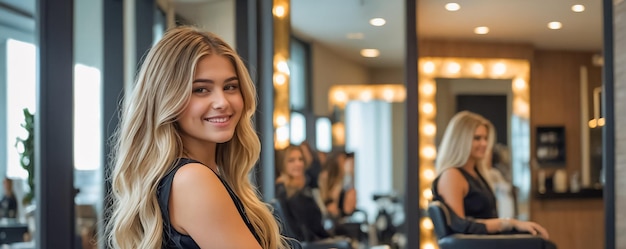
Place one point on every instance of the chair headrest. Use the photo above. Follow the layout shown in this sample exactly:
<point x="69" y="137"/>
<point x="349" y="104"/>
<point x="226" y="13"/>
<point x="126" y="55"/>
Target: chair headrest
<point x="440" y="215"/>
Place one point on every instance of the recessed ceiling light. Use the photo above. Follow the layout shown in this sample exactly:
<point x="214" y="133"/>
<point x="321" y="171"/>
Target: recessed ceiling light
<point x="578" y="8"/>
<point x="481" y="30"/>
<point x="377" y="22"/>
<point x="555" y="25"/>
<point x="355" y="36"/>
<point x="370" y="52"/>
<point x="453" y="6"/>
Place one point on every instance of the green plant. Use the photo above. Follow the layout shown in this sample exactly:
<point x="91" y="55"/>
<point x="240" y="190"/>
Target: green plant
<point x="27" y="153"/>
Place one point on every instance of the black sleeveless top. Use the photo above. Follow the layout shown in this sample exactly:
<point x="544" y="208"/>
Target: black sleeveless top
<point x="479" y="202"/>
<point x="172" y="239"/>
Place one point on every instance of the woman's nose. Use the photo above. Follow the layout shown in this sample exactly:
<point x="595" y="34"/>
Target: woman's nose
<point x="219" y="100"/>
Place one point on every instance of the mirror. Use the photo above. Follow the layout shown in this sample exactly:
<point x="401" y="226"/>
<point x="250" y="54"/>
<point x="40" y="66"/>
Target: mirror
<point x="357" y="101"/>
<point x="498" y="90"/>
<point x="521" y="30"/>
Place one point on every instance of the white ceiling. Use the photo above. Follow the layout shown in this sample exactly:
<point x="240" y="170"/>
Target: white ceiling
<point x="518" y="21"/>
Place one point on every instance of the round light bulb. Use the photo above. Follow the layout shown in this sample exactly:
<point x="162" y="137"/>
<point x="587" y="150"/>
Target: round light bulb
<point x="428" y="194"/>
<point x="499" y="69"/>
<point x="428" y="108"/>
<point x="279" y="11"/>
<point x="430" y="129"/>
<point x="429" y="67"/>
<point x="478" y="68"/>
<point x="429" y="174"/>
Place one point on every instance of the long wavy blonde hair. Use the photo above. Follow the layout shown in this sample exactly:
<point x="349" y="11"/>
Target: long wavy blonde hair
<point x="456" y="144"/>
<point x="147" y="142"/>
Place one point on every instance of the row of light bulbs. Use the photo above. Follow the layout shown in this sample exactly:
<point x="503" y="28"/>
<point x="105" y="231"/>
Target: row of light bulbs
<point x="281" y="75"/>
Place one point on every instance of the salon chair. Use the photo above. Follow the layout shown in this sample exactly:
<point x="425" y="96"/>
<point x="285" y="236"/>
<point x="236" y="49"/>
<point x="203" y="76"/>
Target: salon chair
<point x="443" y="219"/>
<point x="334" y="243"/>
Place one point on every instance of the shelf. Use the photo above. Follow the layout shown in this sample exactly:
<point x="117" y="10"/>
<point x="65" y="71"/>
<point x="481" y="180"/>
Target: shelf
<point x="582" y="194"/>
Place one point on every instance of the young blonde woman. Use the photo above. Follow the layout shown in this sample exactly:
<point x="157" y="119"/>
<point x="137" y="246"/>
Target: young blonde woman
<point x="296" y="197"/>
<point x="184" y="149"/>
<point x="291" y="166"/>
<point x="461" y="185"/>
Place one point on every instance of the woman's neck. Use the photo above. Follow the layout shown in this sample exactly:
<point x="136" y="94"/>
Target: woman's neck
<point x="203" y="152"/>
<point x="470" y="165"/>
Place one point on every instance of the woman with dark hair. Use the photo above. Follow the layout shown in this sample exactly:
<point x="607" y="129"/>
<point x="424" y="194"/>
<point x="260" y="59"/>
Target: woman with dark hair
<point x="339" y="200"/>
<point x="313" y="164"/>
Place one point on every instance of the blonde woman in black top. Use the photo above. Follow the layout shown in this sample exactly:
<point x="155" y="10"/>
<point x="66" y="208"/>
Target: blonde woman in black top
<point x="460" y="164"/>
<point x="184" y="150"/>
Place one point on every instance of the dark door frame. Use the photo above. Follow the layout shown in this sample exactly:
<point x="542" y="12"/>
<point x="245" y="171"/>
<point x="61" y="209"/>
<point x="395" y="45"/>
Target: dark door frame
<point x="608" y="135"/>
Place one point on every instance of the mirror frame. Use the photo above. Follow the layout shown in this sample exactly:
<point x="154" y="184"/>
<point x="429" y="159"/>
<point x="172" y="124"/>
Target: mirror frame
<point x="430" y="68"/>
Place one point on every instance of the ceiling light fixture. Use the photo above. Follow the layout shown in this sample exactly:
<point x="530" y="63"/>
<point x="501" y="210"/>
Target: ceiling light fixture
<point x="578" y="8"/>
<point x="482" y="30"/>
<point x="555" y="25"/>
<point x="377" y="22"/>
<point x="453" y="6"/>
<point x="370" y="52"/>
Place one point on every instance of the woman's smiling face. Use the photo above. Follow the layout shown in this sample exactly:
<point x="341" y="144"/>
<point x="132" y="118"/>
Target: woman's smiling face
<point x="216" y="102"/>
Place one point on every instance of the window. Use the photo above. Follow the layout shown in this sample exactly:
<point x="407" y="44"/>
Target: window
<point x="87" y="118"/>
<point x="298" y="75"/>
<point x="323" y="140"/>
<point x="298" y="128"/>
<point x="21" y="72"/>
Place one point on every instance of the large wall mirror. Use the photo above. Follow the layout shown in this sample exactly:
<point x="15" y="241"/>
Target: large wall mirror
<point x="542" y="109"/>
<point x="354" y="96"/>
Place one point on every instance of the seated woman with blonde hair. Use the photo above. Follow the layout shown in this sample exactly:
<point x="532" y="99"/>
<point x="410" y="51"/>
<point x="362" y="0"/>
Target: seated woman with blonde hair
<point x="461" y="184"/>
<point x="303" y="214"/>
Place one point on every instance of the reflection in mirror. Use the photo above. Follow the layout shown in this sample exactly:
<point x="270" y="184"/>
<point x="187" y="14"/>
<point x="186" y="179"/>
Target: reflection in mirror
<point x="361" y="96"/>
<point x="563" y="70"/>
<point x="18" y="71"/>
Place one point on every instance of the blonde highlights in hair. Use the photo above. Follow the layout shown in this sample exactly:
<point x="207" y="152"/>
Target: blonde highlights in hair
<point x="456" y="144"/>
<point x="147" y="142"/>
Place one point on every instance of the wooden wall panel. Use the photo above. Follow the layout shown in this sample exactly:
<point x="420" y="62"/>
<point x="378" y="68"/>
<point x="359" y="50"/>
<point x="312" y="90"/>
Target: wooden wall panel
<point x="555" y="98"/>
<point x="572" y="223"/>
<point x="445" y="48"/>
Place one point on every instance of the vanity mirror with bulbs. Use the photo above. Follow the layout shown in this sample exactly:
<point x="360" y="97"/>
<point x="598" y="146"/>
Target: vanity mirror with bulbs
<point x="530" y="76"/>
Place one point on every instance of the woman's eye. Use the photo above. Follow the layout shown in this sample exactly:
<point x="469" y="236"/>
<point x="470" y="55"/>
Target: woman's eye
<point x="231" y="87"/>
<point x="200" y="90"/>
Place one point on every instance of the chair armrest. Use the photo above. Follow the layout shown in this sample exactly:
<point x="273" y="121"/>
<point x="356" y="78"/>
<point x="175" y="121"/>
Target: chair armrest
<point x="335" y="243"/>
<point x="509" y="241"/>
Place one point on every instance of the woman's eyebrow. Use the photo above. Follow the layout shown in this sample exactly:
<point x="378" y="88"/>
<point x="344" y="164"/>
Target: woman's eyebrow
<point x="200" y="80"/>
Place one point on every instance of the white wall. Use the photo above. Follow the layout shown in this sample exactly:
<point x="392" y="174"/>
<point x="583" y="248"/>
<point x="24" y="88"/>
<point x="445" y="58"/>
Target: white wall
<point x="392" y="75"/>
<point x="329" y="69"/>
<point x="215" y="16"/>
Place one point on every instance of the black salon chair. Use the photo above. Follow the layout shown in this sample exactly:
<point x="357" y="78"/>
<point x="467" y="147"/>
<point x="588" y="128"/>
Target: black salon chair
<point x="443" y="219"/>
<point x="334" y="243"/>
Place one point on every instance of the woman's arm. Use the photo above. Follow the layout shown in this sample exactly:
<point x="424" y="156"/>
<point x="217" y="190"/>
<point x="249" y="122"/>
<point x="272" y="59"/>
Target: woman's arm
<point x="453" y="187"/>
<point x="201" y="207"/>
<point x="349" y="201"/>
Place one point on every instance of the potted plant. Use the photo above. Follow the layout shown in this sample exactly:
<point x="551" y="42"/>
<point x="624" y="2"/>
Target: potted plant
<point x="27" y="153"/>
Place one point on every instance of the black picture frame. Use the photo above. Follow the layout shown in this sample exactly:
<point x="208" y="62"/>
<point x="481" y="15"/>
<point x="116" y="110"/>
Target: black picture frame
<point x="550" y="147"/>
